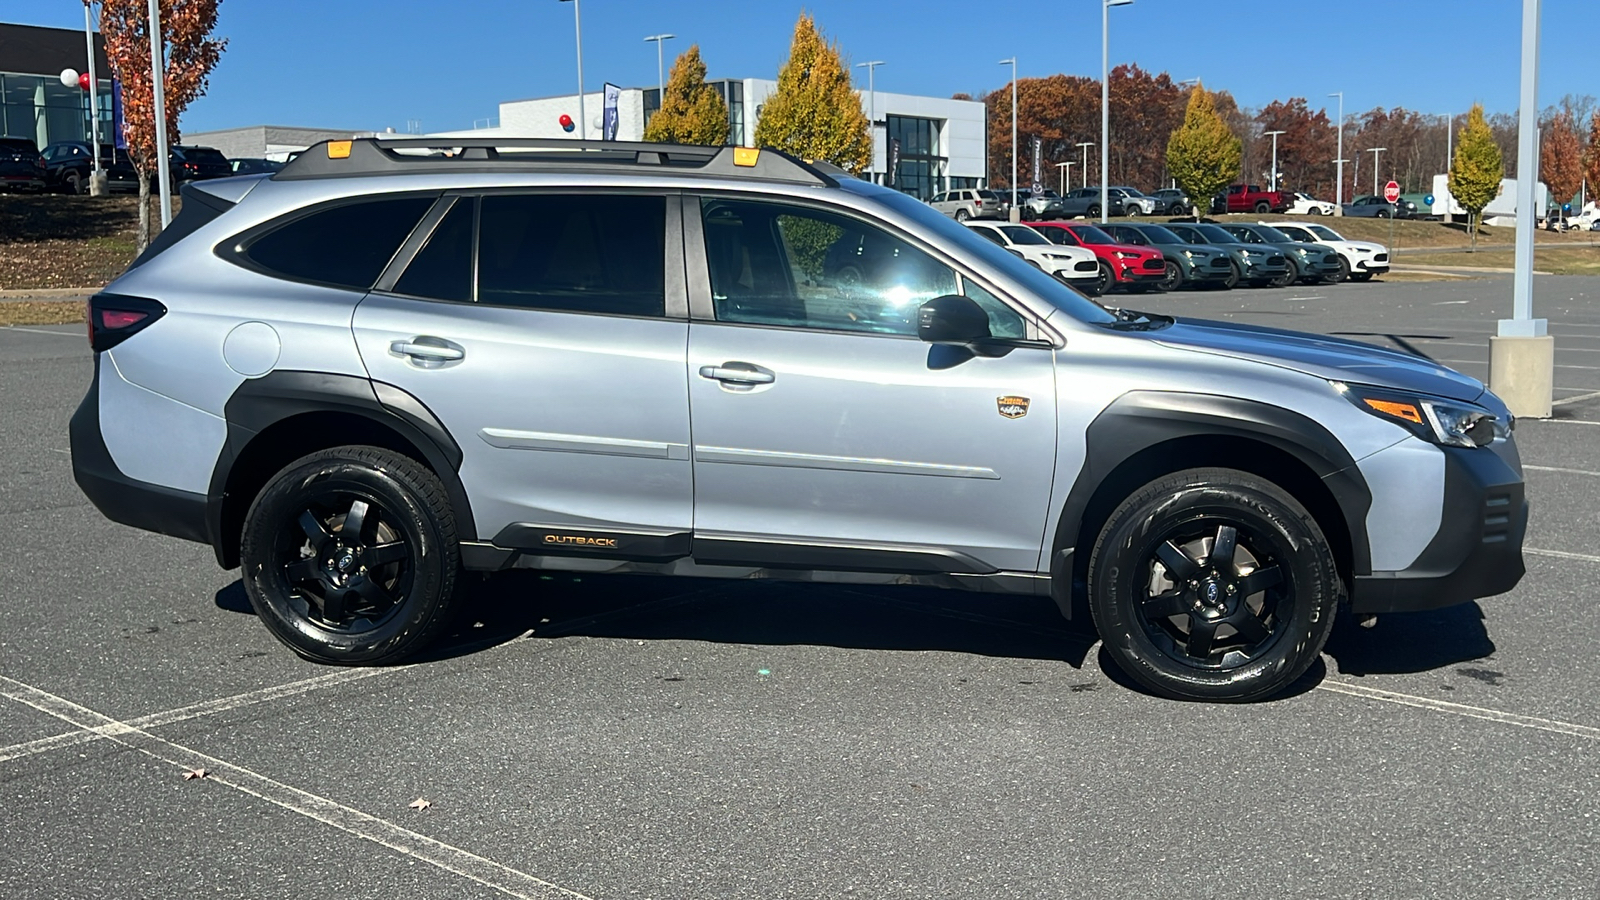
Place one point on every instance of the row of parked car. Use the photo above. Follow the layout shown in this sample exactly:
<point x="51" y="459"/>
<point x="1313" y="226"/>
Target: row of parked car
<point x="1143" y="257"/>
<point x="64" y="166"/>
<point x="1123" y="201"/>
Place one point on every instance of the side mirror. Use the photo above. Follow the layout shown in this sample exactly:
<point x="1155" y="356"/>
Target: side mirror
<point x="952" y="319"/>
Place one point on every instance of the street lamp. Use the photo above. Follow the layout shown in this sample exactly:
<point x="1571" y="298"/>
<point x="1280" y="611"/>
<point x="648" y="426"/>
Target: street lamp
<point x="158" y="82"/>
<point x="1105" y="99"/>
<point x="1084" y="146"/>
<point x="661" y="78"/>
<point x="1012" y="62"/>
<point x="1375" y="151"/>
<point x="577" y="25"/>
<point x="97" y="175"/>
<point x="1274" y="136"/>
<point x="872" y="112"/>
<point x="1065" y="170"/>
<point x="1338" y="191"/>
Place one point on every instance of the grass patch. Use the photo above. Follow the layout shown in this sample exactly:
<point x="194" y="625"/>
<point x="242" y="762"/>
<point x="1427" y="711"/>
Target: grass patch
<point x="41" y="312"/>
<point x="1555" y="260"/>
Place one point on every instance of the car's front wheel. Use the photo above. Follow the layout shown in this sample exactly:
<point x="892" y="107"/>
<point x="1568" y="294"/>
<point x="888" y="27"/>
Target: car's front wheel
<point x="1104" y="281"/>
<point x="1171" y="277"/>
<point x="349" y="556"/>
<point x="1213" y="584"/>
<point x="1340" y="276"/>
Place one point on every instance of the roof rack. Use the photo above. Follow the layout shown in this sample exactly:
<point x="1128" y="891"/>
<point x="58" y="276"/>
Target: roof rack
<point x="453" y="155"/>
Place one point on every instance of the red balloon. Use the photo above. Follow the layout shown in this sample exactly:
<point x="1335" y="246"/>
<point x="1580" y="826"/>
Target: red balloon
<point x="83" y="81"/>
<point x="565" y="120"/>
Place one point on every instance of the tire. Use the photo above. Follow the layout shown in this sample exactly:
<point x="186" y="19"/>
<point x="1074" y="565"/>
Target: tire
<point x="1104" y="282"/>
<point x="1132" y="212"/>
<point x="1315" y="211"/>
<point x="1263" y="207"/>
<point x="73" y="183"/>
<point x="1093" y="211"/>
<point x="1161" y="593"/>
<point x="374" y="599"/>
<point x="962" y="215"/>
<point x="1234" y="276"/>
<point x="1383" y="214"/>
<point x="1360" y="276"/>
<point x="1172" y="278"/>
<point x="1340" y="276"/>
<point x="1285" y="280"/>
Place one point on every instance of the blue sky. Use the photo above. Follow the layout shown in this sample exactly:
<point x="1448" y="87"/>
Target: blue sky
<point x="368" y="64"/>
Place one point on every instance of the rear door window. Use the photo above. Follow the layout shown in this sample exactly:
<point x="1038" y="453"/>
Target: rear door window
<point x="347" y="245"/>
<point x="590" y="254"/>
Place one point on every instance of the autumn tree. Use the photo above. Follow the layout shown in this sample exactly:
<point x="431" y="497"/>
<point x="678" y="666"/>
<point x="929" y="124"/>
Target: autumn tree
<point x="1476" y="171"/>
<point x="191" y="53"/>
<point x="1306" y="147"/>
<point x="1202" y="154"/>
<point x="691" y="112"/>
<point x="815" y="112"/>
<point x="1591" y="156"/>
<point x="1561" y="159"/>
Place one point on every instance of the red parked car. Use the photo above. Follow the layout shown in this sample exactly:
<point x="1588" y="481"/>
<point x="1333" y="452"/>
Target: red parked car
<point x="1137" y="269"/>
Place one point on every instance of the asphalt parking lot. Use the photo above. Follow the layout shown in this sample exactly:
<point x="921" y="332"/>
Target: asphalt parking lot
<point x="635" y="737"/>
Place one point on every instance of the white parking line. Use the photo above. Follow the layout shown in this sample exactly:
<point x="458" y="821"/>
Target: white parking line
<point x="1460" y="709"/>
<point x="27" y="330"/>
<point x="1578" y="399"/>
<point x="1559" y="469"/>
<point x="484" y="871"/>
<point x="1561" y="554"/>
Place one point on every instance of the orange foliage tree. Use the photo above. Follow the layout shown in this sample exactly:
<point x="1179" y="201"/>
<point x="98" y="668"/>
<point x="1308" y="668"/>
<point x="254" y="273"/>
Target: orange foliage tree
<point x="191" y="53"/>
<point x="1561" y="159"/>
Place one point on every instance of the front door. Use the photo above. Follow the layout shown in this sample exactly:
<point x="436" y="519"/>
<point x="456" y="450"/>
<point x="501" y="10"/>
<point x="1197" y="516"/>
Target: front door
<point x="559" y="369"/>
<point x="826" y="434"/>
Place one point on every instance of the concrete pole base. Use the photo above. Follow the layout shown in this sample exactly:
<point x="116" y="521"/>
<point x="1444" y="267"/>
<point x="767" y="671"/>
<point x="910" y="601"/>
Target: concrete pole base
<point x="1522" y="373"/>
<point x="98" y="185"/>
<point x="1016" y="215"/>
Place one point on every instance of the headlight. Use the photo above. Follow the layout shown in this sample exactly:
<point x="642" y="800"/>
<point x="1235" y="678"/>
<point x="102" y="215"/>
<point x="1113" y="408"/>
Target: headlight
<point x="1056" y="256"/>
<point x="1124" y="254"/>
<point x="1245" y="253"/>
<point x="1191" y="254"/>
<point x="1303" y="251"/>
<point x="1449" y="423"/>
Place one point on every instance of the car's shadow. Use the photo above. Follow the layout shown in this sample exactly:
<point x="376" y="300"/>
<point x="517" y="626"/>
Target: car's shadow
<point x="512" y="605"/>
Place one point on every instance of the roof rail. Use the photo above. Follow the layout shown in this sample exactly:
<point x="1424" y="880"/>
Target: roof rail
<point x="394" y="156"/>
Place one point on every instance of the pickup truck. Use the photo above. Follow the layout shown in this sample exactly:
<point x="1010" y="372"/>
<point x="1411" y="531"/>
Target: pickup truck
<point x="1244" y="198"/>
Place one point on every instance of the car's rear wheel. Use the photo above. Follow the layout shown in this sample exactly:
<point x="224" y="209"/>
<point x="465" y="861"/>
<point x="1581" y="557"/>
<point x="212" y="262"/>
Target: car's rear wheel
<point x="1263" y="207"/>
<point x="1213" y="584"/>
<point x="350" y="557"/>
<point x="961" y="215"/>
<point x="1172" y="277"/>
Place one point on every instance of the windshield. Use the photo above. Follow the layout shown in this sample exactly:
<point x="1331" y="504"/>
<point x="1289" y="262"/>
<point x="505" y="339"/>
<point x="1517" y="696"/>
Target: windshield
<point x="1092" y="235"/>
<point x="1131" y="192"/>
<point x="1216" y="234"/>
<point x="1022" y="234"/>
<point x="1160" y="234"/>
<point x="1243" y="235"/>
<point x="1324" y="232"/>
<point x="1296" y="233"/>
<point x="1034" y="280"/>
<point x="1273" y="235"/>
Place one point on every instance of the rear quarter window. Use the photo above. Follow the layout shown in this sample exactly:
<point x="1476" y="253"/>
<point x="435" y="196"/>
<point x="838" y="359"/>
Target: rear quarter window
<point x="345" y="246"/>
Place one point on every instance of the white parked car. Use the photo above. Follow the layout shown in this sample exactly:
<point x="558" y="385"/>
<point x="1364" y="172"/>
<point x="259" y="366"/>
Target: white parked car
<point x="1135" y="203"/>
<point x="1074" y="265"/>
<point x="1363" y="259"/>
<point x="1306" y="205"/>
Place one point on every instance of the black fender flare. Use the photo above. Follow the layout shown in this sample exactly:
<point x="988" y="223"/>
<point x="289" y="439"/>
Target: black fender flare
<point x="1141" y="421"/>
<point x="260" y="403"/>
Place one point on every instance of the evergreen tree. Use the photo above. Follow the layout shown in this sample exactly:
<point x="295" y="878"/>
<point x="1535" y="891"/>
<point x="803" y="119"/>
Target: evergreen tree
<point x="1202" y="154"/>
<point x="691" y="112"/>
<point x="1476" y="170"/>
<point x="815" y="113"/>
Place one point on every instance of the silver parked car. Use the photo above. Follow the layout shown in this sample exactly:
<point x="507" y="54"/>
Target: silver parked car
<point x="971" y="203"/>
<point x="372" y="371"/>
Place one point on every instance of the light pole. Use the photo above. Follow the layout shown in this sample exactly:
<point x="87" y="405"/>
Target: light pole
<point x="97" y="175"/>
<point x="872" y="113"/>
<point x="1105" y="99"/>
<point x="1084" y="146"/>
<point x="1375" y="151"/>
<point x="1065" y="171"/>
<point x="577" y="25"/>
<point x="1338" y="190"/>
<point x="158" y="79"/>
<point x="1012" y="62"/>
<point x="1449" y="160"/>
<point x="1274" y="136"/>
<point x="661" y="78"/>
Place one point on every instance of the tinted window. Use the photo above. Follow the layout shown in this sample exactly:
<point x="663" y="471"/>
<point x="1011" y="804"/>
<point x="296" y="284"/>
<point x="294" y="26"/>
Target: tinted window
<point x="1214" y="234"/>
<point x="1060" y="236"/>
<point x="1022" y="234"/>
<point x="200" y="154"/>
<point x="1244" y="235"/>
<point x="1091" y="235"/>
<point x="346" y="245"/>
<point x="442" y="270"/>
<point x="1161" y="234"/>
<point x="593" y="254"/>
<point x="990" y="235"/>
<point x="791" y="266"/>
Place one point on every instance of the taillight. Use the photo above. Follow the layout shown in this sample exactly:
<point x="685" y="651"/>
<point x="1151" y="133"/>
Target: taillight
<point x="978" y="203"/>
<point x="113" y="318"/>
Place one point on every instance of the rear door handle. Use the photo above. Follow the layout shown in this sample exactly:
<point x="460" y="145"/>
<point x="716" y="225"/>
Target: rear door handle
<point x="426" y="350"/>
<point x="736" y="373"/>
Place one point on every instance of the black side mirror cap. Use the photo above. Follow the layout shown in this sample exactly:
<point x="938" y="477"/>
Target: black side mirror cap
<point x="953" y="319"/>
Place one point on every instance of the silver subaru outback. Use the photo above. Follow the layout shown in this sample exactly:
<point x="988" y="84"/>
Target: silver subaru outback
<point x="390" y="363"/>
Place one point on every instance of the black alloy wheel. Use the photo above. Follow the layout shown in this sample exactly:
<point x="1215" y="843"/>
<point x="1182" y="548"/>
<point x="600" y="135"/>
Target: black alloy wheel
<point x="1287" y="278"/>
<point x="1263" y="207"/>
<point x="1171" y="278"/>
<point x="349" y="556"/>
<point x="1213" y="584"/>
<point x="1235" y="275"/>
<point x="1343" y="273"/>
<point x="1103" y="282"/>
<point x="1093" y="211"/>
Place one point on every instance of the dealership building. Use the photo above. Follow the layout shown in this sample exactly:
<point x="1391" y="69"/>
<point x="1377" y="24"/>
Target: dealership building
<point x="34" y="104"/>
<point x="942" y="142"/>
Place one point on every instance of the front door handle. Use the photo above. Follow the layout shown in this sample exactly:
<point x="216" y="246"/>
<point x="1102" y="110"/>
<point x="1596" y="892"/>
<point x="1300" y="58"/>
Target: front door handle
<point x="427" y="351"/>
<point x="736" y="373"/>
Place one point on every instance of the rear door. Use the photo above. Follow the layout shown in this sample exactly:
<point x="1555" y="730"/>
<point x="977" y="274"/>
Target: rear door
<point x="558" y="368"/>
<point x="826" y="434"/>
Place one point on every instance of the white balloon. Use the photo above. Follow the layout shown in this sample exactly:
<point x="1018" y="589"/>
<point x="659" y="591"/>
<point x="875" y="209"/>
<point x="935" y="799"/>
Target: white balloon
<point x="69" y="77"/>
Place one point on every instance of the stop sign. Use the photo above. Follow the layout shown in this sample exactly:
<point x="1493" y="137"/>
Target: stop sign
<point x="1391" y="192"/>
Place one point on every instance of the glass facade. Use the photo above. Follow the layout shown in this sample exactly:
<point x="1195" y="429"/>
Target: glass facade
<point x="43" y="110"/>
<point x="921" y="168"/>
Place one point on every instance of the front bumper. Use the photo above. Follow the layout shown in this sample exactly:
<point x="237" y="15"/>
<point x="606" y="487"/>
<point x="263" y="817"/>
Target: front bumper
<point x="1478" y="549"/>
